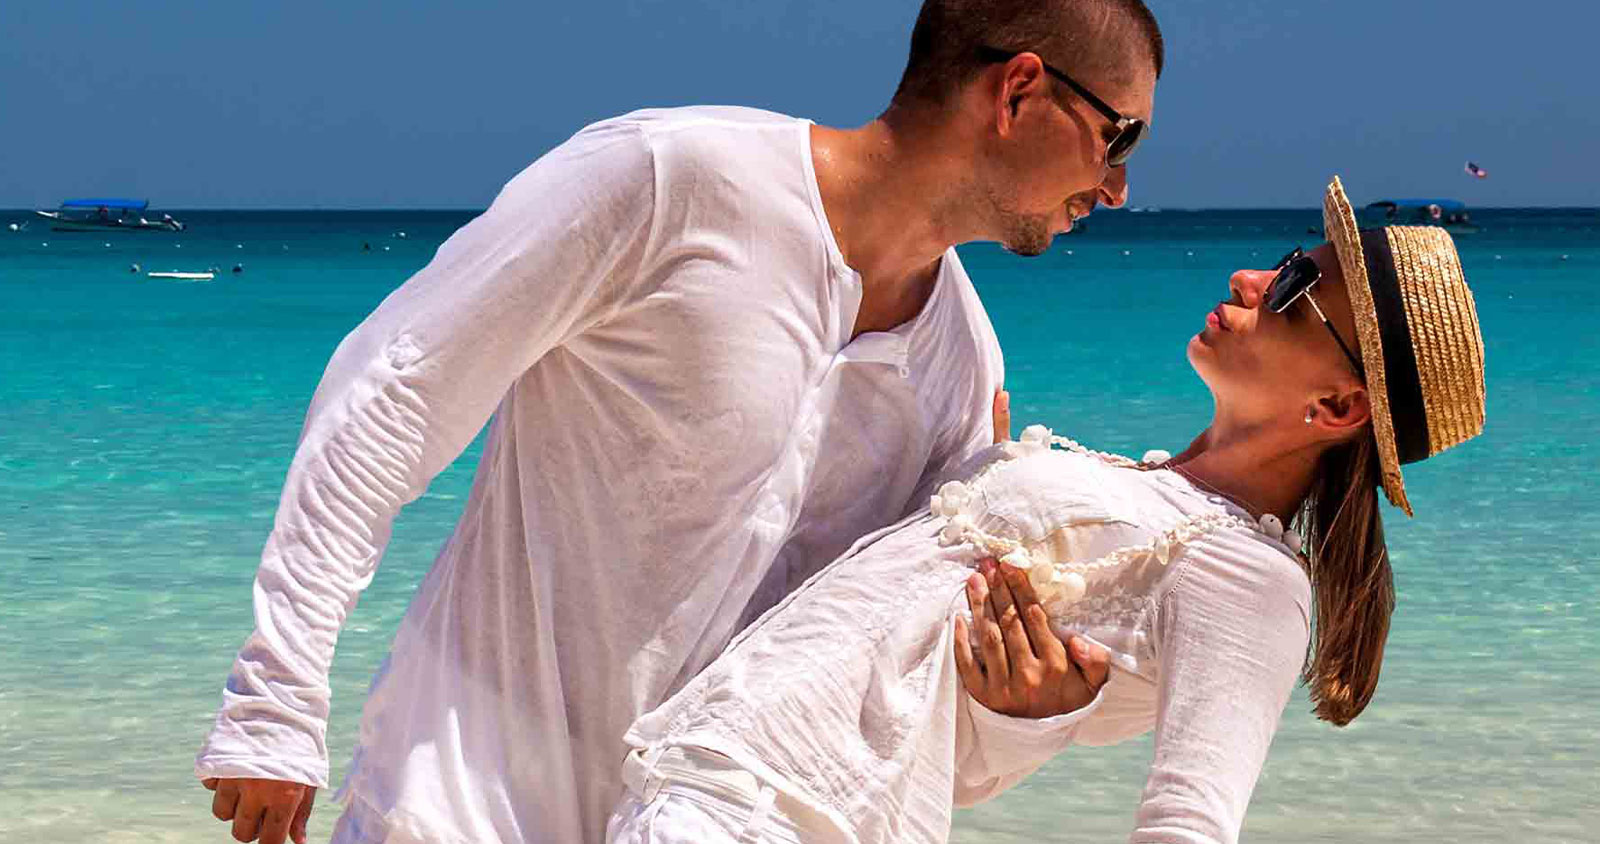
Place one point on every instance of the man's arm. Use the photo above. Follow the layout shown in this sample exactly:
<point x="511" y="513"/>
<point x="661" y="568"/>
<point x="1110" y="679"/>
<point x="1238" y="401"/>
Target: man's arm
<point x="984" y="421"/>
<point x="561" y="248"/>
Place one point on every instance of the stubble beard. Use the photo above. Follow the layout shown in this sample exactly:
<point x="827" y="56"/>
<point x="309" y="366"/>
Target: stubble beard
<point x="1025" y="234"/>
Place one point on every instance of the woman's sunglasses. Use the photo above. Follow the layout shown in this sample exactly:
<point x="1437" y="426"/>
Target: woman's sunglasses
<point x="1296" y="275"/>
<point x="1130" y="130"/>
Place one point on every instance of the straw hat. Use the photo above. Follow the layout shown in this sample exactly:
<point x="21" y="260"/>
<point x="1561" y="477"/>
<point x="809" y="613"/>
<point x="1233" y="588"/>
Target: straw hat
<point x="1420" y="342"/>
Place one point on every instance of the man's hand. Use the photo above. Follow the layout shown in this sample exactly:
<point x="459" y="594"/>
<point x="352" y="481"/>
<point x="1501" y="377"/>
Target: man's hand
<point x="269" y="809"/>
<point x="1022" y="668"/>
<point x="1002" y="415"/>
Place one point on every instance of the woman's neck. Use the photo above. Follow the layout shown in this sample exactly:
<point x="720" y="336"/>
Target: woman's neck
<point x="1248" y="464"/>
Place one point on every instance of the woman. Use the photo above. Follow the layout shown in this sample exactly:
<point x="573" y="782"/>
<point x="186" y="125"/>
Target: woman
<point x="838" y="716"/>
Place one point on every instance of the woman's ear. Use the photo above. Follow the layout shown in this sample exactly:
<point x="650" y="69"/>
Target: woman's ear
<point x="1343" y="412"/>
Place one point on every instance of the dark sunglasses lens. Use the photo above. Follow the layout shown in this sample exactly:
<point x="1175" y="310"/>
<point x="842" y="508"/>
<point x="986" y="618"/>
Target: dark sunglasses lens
<point x="1291" y="281"/>
<point x="1287" y="257"/>
<point x="1126" y="141"/>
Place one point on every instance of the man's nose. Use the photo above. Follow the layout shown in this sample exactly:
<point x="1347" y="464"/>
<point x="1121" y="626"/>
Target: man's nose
<point x="1114" y="190"/>
<point x="1250" y="286"/>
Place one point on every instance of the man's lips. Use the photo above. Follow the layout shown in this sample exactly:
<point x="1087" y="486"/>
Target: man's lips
<point x="1073" y="216"/>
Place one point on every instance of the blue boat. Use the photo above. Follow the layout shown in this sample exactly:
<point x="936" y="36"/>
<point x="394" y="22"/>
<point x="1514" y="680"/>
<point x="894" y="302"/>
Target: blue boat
<point x="1449" y="214"/>
<point x="79" y="215"/>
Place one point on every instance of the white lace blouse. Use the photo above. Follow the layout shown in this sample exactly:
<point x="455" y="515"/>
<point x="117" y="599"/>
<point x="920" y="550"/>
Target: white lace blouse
<point x="846" y="695"/>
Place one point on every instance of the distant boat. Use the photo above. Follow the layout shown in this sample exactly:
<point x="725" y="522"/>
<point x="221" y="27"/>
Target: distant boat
<point x="183" y="276"/>
<point x="81" y="215"/>
<point x="1448" y="214"/>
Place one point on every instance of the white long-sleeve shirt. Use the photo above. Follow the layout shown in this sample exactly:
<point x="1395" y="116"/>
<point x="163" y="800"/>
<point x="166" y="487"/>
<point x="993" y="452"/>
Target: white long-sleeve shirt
<point x="845" y="695"/>
<point x="659" y="320"/>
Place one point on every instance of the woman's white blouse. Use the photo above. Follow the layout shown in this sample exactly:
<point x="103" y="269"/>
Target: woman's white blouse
<point x="846" y="694"/>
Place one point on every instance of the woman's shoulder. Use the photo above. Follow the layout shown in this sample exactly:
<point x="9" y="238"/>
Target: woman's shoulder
<point x="1236" y="563"/>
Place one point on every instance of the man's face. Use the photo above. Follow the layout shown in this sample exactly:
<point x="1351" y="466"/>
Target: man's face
<point x="1054" y="167"/>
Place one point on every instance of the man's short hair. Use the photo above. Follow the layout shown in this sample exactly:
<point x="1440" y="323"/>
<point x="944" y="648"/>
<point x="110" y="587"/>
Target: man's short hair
<point x="1090" y="39"/>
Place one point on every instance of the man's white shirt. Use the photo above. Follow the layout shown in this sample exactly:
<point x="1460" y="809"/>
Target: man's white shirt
<point x="659" y="321"/>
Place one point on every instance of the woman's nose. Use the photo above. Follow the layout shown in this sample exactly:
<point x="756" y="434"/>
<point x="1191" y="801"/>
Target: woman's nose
<point x="1250" y="286"/>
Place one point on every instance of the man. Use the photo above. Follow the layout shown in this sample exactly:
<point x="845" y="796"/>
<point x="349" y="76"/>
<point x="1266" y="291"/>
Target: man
<point x="718" y="345"/>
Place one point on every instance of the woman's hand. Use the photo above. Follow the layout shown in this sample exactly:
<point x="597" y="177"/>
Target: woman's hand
<point x="1022" y="668"/>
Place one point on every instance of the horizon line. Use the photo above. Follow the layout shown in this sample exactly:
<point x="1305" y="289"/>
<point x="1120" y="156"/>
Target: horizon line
<point x="1140" y="209"/>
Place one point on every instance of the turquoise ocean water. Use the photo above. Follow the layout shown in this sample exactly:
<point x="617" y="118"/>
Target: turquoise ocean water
<point x="145" y="427"/>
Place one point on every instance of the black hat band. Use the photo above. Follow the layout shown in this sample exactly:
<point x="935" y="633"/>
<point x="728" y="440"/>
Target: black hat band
<point x="1407" y="413"/>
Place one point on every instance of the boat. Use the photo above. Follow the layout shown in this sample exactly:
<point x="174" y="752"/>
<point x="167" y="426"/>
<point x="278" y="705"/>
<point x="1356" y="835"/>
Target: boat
<point x="1449" y="214"/>
<point x="183" y="276"/>
<point x="81" y="215"/>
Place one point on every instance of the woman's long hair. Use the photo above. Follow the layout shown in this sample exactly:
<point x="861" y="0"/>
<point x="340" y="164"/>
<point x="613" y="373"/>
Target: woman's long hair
<point x="1351" y="583"/>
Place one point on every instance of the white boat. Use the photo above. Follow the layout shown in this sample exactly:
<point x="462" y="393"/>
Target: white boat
<point x="77" y="215"/>
<point x="183" y="276"/>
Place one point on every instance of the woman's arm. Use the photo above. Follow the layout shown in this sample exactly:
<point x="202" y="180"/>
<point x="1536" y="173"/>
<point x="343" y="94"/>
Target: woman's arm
<point x="1231" y="635"/>
<point x="1023" y="694"/>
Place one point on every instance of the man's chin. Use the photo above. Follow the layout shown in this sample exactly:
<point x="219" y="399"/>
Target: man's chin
<point x="1029" y="247"/>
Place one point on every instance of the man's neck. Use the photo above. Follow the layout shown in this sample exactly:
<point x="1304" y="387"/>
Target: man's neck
<point x="883" y="194"/>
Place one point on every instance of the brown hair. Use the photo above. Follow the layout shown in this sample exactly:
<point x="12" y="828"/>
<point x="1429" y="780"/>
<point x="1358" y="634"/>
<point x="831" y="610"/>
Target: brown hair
<point x="1071" y="33"/>
<point x="1351" y="583"/>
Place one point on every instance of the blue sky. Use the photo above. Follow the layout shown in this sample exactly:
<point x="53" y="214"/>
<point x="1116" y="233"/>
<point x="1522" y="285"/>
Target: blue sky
<point x="356" y="104"/>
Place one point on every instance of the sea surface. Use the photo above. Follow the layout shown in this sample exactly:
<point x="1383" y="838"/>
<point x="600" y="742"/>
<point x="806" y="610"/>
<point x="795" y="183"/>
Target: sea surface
<point x="145" y="427"/>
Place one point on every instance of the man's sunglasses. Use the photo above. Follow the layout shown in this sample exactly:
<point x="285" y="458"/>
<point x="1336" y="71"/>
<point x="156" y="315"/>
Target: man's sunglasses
<point x="1296" y="275"/>
<point x="1130" y="130"/>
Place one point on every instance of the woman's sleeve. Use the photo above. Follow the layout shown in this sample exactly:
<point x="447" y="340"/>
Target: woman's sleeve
<point x="560" y="249"/>
<point x="995" y="752"/>
<point x="1231" y="636"/>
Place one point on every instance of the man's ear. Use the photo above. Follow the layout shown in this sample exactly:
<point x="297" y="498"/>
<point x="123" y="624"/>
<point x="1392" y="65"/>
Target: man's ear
<point x="1007" y="99"/>
<point x="1016" y="79"/>
<point x="1343" y="411"/>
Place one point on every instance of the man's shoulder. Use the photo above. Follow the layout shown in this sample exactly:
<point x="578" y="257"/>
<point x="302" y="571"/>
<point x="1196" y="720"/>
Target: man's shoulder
<point x="662" y="121"/>
<point x="714" y="131"/>
<point x="752" y="148"/>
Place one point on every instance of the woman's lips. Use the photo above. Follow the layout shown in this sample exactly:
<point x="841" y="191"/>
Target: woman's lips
<point x="1218" y="318"/>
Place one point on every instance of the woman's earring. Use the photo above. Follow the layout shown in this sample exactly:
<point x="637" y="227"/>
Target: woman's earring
<point x="1309" y="416"/>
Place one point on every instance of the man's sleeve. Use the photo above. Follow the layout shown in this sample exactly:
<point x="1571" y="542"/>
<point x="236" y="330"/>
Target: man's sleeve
<point x="563" y="247"/>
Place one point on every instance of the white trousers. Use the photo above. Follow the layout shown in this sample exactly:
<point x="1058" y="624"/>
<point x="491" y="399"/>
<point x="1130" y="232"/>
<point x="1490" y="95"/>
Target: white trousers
<point x="689" y="795"/>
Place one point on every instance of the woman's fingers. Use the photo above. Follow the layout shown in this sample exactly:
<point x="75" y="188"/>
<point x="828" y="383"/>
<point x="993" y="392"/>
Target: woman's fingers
<point x="1045" y="644"/>
<point x="991" y="643"/>
<point x="967" y="664"/>
<point x="1002" y="415"/>
<point x="1007" y="614"/>
<point x="1050" y="649"/>
<point x="1092" y="660"/>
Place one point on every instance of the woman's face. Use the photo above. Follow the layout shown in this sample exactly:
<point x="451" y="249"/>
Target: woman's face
<point x="1262" y="365"/>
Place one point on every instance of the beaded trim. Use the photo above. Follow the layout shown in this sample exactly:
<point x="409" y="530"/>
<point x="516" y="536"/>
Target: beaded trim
<point x="1061" y="584"/>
